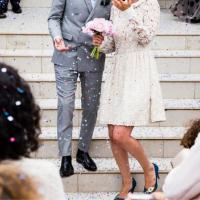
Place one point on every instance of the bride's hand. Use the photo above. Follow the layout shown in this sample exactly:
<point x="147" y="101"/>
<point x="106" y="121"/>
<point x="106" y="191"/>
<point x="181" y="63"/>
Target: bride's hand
<point x="123" y="4"/>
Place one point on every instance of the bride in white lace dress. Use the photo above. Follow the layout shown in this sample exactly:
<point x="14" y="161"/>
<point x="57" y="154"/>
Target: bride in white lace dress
<point x="131" y="95"/>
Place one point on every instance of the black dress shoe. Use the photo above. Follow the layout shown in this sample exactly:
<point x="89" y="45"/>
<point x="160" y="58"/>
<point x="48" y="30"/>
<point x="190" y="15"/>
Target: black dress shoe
<point x="85" y="160"/>
<point x="66" y="168"/>
<point x="2" y="15"/>
<point x="17" y="10"/>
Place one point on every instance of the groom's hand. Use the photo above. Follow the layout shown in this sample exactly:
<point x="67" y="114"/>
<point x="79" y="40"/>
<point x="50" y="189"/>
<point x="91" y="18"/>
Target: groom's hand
<point x="97" y="40"/>
<point x="123" y="4"/>
<point x="60" y="45"/>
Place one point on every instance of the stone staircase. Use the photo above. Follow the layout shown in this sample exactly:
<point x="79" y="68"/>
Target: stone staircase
<point x="47" y="3"/>
<point x="25" y="44"/>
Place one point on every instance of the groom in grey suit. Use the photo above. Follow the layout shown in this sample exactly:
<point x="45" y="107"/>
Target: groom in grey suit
<point x="72" y="60"/>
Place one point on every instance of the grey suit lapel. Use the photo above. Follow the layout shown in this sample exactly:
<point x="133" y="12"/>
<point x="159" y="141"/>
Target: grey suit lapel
<point x="93" y="10"/>
<point x="89" y="5"/>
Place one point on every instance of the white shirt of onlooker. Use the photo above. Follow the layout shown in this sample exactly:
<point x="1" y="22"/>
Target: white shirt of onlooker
<point x="183" y="182"/>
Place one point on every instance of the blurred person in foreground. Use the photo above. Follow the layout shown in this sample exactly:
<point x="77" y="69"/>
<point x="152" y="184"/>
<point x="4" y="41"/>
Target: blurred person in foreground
<point x="15" y="185"/>
<point x="19" y="135"/>
<point x="183" y="182"/>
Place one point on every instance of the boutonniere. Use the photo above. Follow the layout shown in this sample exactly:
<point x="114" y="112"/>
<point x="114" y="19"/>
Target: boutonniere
<point x="105" y="2"/>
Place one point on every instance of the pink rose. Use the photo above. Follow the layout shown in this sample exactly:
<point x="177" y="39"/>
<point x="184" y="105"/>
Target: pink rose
<point x="100" y="25"/>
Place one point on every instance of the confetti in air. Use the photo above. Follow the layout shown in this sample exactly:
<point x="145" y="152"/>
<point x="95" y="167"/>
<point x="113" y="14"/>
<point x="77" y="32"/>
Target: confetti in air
<point x="18" y="103"/>
<point x="12" y="139"/>
<point x="10" y="118"/>
<point x="20" y="90"/>
<point x="4" y="70"/>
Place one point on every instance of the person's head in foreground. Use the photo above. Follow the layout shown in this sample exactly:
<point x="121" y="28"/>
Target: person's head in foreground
<point x="189" y="168"/>
<point x="16" y="185"/>
<point x="19" y="116"/>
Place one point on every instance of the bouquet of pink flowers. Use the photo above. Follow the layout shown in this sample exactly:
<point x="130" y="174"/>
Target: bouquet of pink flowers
<point x="98" y="26"/>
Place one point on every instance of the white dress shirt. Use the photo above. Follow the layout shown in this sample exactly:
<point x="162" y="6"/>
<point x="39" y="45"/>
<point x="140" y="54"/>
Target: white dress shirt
<point x="93" y="3"/>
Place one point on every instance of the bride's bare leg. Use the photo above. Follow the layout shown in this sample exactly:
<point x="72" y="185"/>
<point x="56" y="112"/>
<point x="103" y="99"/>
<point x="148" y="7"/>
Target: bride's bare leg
<point x="122" y="137"/>
<point x="121" y="157"/>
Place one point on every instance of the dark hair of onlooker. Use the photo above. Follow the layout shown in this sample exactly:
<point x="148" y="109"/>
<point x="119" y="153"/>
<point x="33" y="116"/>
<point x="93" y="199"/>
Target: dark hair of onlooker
<point x="19" y="116"/>
<point x="191" y="135"/>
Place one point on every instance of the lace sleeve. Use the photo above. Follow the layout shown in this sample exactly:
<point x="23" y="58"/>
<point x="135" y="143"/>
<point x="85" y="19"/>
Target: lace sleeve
<point x="146" y="25"/>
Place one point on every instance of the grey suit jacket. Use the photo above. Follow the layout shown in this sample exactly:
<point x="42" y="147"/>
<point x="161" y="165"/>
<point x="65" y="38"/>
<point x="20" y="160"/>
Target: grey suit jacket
<point x="66" y="19"/>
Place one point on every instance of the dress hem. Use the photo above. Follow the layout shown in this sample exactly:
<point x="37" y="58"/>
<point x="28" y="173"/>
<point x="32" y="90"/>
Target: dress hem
<point x="129" y="123"/>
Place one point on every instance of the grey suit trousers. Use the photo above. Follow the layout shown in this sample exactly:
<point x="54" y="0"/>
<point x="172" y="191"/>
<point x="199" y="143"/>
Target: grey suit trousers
<point x="66" y="81"/>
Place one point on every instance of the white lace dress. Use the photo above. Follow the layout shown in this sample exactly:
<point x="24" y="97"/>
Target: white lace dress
<point x="131" y="95"/>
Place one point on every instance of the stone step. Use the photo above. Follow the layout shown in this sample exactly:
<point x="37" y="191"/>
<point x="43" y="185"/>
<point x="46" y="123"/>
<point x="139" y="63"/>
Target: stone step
<point x="39" y="61"/>
<point x="103" y="196"/>
<point x="47" y="3"/>
<point x="44" y="41"/>
<point x="179" y="112"/>
<point x="160" y="142"/>
<point x="91" y="196"/>
<point x="170" y="104"/>
<point x="161" y="42"/>
<point x="16" y="32"/>
<point x="107" y="178"/>
<point x="20" y="24"/>
<point x="141" y="133"/>
<point x="174" y="86"/>
<point x="50" y="77"/>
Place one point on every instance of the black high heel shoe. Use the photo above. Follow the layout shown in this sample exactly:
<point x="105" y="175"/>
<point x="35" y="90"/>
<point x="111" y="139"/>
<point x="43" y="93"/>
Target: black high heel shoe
<point x="134" y="184"/>
<point x="150" y="190"/>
